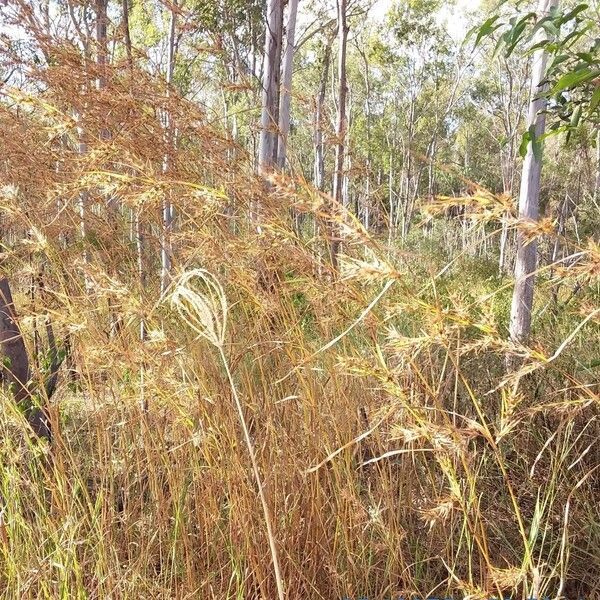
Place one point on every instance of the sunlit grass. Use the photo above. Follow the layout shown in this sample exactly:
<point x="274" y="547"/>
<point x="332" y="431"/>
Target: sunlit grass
<point x="371" y="407"/>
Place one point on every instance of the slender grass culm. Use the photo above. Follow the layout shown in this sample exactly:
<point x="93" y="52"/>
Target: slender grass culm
<point x="200" y="301"/>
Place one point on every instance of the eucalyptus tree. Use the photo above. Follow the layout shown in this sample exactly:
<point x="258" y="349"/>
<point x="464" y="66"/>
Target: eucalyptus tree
<point x="529" y="193"/>
<point x="564" y="91"/>
<point x="341" y="119"/>
<point x="319" y="120"/>
<point x="286" y="83"/>
<point x="271" y="77"/>
<point x="167" y="207"/>
<point x="15" y="371"/>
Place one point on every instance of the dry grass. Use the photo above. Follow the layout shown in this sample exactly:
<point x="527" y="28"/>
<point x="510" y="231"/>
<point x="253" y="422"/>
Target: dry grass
<point x="437" y="474"/>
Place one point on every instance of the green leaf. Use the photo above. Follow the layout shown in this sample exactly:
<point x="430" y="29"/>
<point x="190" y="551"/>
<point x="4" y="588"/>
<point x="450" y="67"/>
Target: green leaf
<point x="503" y="40"/>
<point x="587" y="57"/>
<point x="524" y="144"/>
<point x="546" y="44"/>
<point x="539" y="24"/>
<point x="559" y="59"/>
<point x="571" y="15"/>
<point x="551" y="29"/>
<point x="536" y="143"/>
<point x="574" y="78"/>
<point x="516" y="32"/>
<point x="575" y="117"/>
<point x="574" y="36"/>
<point x="553" y="132"/>
<point x="529" y="137"/>
<point x="595" y="100"/>
<point x="486" y="29"/>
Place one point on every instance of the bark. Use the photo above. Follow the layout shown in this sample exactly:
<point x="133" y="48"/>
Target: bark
<point x="15" y="363"/>
<point x="101" y="50"/>
<point x="139" y="233"/>
<point x="346" y="198"/>
<point x="267" y="147"/>
<point x="525" y="266"/>
<point x="410" y="182"/>
<point x="101" y="62"/>
<point x="286" y="90"/>
<point x="503" y="244"/>
<point x="127" y="33"/>
<point x="82" y="148"/>
<point x="138" y="229"/>
<point x="367" y="198"/>
<point x="55" y="360"/>
<point x="319" y="168"/>
<point x="167" y="209"/>
<point x="392" y="212"/>
<point x="83" y="197"/>
<point x="597" y="180"/>
<point x="511" y="120"/>
<point x="431" y="183"/>
<point x="105" y="134"/>
<point x="341" y="124"/>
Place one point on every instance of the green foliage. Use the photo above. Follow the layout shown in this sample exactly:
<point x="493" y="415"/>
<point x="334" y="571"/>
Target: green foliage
<point x="142" y="22"/>
<point x="574" y="60"/>
<point x="413" y="20"/>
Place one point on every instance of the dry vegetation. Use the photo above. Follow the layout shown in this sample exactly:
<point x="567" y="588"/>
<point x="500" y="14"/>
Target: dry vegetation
<point x="399" y="459"/>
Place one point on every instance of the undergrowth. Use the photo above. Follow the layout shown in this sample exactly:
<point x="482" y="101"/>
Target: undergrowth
<point x="396" y="454"/>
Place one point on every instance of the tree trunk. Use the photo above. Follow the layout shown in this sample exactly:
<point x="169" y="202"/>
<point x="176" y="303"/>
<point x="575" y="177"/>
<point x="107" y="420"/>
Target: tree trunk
<point x="597" y="181"/>
<point x="101" y="50"/>
<point x="346" y="201"/>
<point x="139" y="233"/>
<point x="392" y="212"/>
<point x="319" y="168"/>
<point x="410" y="185"/>
<point x="367" y="198"/>
<point x="522" y="300"/>
<point x="83" y="198"/>
<point x="284" y="104"/>
<point x="267" y="147"/>
<point x="340" y="130"/>
<point x="101" y="61"/>
<point x="127" y="33"/>
<point x="503" y="244"/>
<point x="167" y="208"/>
<point x="105" y="134"/>
<point x="15" y="363"/>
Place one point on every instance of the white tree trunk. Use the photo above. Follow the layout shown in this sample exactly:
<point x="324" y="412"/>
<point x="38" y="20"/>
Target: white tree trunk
<point x="367" y="198"/>
<point x="347" y="157"/>
<point x="82" y="149"/>
<point x="525" y="266"/>
<point x="286" y="89"/>
<point x="341" y="124"/>
<point x="167" y="209"/>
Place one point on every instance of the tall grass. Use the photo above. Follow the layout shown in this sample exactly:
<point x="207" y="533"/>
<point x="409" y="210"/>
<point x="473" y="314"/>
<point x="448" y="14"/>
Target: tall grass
<point x="371" y="408"/>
